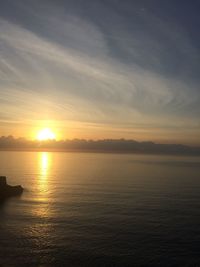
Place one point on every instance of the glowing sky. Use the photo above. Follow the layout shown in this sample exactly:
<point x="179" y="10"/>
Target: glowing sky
<point x="101" y="69"/>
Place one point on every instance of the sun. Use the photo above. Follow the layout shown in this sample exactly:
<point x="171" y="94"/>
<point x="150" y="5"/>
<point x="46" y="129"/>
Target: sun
<point x="46" y="134"/>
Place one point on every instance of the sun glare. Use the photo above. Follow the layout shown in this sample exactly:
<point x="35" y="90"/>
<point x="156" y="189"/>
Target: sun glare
<point x="46" y="134"/>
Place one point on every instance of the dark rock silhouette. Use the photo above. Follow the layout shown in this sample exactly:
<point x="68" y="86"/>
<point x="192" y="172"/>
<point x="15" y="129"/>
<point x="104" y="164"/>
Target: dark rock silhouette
<point x="8" y="190"/>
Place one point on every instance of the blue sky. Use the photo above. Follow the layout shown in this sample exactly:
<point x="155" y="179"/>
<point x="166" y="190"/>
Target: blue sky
<point x="101" y="69"/>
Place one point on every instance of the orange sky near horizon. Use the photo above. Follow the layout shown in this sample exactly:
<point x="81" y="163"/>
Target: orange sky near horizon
<point x="72" y="130"/>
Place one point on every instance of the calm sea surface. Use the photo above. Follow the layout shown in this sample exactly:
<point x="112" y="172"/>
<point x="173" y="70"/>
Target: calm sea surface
<point x="84" y="209"/>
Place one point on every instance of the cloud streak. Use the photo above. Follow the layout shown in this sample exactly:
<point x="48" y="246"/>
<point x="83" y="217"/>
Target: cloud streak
<point x="112" y="72"/>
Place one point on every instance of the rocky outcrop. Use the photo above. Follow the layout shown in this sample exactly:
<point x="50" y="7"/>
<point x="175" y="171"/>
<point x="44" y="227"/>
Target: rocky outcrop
<point x="8" y="190"/>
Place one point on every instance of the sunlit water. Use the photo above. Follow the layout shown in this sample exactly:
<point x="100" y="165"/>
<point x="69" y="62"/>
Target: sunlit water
<point x="84" y="209"/>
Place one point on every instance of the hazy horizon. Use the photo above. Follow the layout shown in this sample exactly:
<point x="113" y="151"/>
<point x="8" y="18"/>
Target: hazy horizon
<point x="99" y="145"/>
<point x="35" y="139"/>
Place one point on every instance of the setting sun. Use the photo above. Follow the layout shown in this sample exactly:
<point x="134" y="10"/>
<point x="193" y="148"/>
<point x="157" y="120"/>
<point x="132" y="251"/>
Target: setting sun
<point x="46" y="134"/>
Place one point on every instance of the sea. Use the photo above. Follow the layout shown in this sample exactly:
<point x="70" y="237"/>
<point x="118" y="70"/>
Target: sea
<point x="100" y="209"/>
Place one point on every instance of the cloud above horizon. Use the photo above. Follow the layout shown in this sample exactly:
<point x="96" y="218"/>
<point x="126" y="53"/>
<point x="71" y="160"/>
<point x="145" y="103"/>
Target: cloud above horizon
<point x="121" y="66"/>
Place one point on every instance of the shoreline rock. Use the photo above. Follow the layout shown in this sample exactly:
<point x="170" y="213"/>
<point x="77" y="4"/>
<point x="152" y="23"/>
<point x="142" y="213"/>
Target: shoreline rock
<point x="7" y="191"/>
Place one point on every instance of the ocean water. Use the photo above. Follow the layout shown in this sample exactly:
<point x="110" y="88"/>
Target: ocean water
<point x="85" y="209"/>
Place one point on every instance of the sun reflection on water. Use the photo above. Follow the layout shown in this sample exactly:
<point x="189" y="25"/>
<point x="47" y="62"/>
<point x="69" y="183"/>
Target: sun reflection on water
<point x="44" y="170"/>
<point x="41" y="211"/>
<point x="43" y="199"/>
<point x="44" y="165"/>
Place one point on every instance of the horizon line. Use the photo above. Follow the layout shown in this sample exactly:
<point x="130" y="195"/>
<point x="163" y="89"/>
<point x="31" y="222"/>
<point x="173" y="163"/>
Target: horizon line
<point x="95" y="140"/>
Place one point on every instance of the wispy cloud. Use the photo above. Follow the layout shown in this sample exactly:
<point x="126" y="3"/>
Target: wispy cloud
<point x="110" y="72"/>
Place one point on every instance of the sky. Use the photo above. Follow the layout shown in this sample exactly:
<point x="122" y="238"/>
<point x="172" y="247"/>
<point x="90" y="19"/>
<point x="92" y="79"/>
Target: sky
<point x="98" y="69"/>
